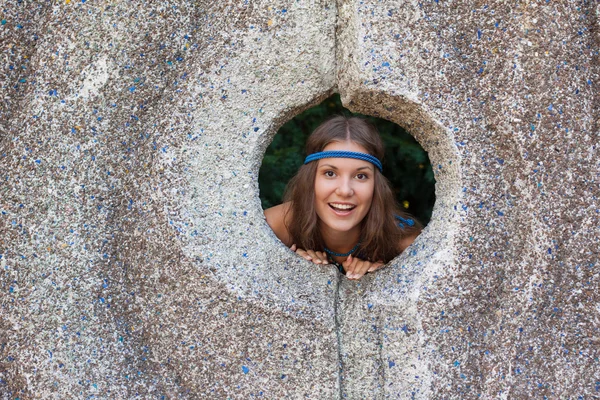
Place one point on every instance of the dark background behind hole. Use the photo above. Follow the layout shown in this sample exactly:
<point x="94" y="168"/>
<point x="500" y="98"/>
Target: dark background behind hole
<point x="406" y="164"/>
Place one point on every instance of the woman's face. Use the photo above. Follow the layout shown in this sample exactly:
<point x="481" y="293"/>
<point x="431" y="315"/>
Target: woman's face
<point x="343" y="190"/>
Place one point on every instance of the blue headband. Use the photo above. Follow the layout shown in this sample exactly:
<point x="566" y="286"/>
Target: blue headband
<point x="344" y="154"/>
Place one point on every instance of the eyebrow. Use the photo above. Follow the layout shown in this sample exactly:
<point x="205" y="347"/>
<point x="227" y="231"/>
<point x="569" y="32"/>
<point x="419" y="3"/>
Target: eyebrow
<point x="334" y="167"/>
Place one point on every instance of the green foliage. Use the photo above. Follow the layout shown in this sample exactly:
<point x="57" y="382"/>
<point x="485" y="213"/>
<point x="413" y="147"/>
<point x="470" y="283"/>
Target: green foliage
<point x="406" y="164"/>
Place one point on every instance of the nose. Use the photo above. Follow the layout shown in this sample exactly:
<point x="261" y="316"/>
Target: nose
<point x="345" y="188"/>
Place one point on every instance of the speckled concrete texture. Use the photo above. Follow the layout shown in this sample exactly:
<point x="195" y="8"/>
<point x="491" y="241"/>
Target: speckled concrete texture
<point x="498" y="298"/>
<point x="135" y="260"/>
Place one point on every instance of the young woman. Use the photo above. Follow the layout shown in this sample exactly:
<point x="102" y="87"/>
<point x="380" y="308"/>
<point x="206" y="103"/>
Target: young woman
<point x="339" y="207"/>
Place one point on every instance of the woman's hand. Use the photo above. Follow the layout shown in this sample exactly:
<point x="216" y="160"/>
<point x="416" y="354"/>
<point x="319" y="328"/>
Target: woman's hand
<point x="355" y="267"/>
<point x="317" y="257"/>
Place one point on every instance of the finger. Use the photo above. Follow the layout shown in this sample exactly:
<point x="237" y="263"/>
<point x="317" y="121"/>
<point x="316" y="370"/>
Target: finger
<point x="376" y="266"/>
<point x="323" y="256"/>
<point x="347" y="262"/>
<point x="315" y="258"/>
<point x="351" y="269"/>
<point x="359" y="269"/>
<point x="304" y="254"/>
<point x="293" y="248"/>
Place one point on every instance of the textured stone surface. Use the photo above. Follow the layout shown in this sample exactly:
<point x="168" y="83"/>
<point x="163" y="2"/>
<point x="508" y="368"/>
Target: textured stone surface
<point x="513" y="310"/>
<point x="135" y="258"/>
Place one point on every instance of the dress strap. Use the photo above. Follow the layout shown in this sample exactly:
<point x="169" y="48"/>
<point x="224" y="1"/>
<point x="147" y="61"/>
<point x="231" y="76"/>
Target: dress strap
<point x="403" y="222"/>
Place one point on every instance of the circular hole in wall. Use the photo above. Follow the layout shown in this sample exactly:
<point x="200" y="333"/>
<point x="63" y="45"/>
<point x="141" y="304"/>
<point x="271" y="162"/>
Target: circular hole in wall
<point x="406" y="163"/>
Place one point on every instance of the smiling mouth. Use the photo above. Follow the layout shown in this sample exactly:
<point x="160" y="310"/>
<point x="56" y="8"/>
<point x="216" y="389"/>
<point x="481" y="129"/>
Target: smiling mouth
<point x="342" y="207"/>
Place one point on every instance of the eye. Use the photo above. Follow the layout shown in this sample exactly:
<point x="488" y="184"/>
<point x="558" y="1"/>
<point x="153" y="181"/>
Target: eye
<point x="329" y="174"/>
<point x="362" y="176"/>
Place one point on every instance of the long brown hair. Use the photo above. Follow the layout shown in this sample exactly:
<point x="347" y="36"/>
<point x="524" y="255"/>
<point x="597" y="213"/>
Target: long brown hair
<point x="380" y="232"/>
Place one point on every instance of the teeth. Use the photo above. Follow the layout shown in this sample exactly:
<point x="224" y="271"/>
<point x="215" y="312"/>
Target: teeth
<point x="342" y="206"/>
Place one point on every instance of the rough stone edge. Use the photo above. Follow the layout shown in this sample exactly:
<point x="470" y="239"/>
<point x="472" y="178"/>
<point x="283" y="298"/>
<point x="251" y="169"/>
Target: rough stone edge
<point x="404" y="110"/>
<point x="436" y="244"/>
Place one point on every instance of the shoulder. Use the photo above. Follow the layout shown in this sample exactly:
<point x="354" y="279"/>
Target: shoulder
<point x="276" y="218"/>
<point x="277" y="213"/>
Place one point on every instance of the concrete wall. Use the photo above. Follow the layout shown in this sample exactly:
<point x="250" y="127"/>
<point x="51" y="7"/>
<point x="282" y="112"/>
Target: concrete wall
<point x="136" y="262"/>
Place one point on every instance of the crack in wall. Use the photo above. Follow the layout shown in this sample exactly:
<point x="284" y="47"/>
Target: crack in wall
<point x="336" y="301"/>
<point x="338" y="333"/>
